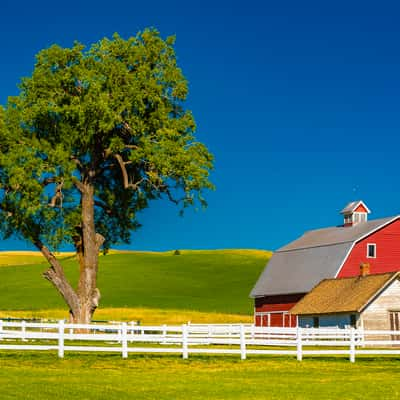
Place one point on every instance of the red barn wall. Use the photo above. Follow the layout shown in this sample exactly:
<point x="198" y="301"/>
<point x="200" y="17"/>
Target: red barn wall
<point x="277" y="306"/>
<point x="387" y="241"/>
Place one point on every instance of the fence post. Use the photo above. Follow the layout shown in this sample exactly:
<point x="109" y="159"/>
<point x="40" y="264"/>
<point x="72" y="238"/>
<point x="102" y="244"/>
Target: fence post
<point x="132" y="326"/>
<point x="185" y="352"/>
<point x="61" y="338"/>
<point x="242" y="342"/>
<point x="119" y="335"/>
<point x="71" y="330"/>
<point x="164" y="334"/>
<point x="23" y="331"/>
<point x="352" y="345"/>
<point x="1" y="328"/>
<point x="299" y="344"/>
<point x="124" y="340"/>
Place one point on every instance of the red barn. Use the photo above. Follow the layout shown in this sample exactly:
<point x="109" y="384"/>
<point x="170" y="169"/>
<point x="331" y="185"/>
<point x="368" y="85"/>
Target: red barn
<point x="335" y="252"/>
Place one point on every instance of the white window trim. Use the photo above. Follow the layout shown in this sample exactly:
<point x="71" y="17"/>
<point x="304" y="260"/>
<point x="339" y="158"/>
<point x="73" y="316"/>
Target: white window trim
<point x="361" y="216"/>
<point x="262" y="314"/>
<point x="371" y="244"/>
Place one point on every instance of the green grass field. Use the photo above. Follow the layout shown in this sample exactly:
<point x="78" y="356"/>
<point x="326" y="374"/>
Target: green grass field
<point x="201" y="286"/>
<point x="143" y="284"/>
<point x="85" y="377"/>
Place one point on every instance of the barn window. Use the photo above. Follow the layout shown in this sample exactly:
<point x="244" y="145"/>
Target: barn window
<point x="353" y="320"/>
<point x="371" y="250"/>
<point x="316" y="322"/>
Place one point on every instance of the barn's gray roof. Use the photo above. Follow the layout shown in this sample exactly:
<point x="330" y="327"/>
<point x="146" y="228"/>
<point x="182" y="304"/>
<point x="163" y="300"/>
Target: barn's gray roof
<point x="335" y="235"/>
<point x="300" y="265"/>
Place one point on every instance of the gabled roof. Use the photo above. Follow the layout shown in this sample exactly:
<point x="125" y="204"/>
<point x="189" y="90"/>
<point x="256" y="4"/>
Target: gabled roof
<point x="343" y="295"/>
<point x="318" y="254"/>
<point x="336" y="234"/>
<point x="351" y="207"/>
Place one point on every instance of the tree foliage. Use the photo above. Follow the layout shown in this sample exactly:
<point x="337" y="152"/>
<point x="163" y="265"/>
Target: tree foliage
<point x="93" y="136"/>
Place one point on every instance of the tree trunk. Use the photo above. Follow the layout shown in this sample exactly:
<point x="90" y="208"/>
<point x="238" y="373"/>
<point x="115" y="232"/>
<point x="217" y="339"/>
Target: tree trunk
<point x="83" y="302"/>
<point x="55" y="274"/>
<point x="88" y="293"/>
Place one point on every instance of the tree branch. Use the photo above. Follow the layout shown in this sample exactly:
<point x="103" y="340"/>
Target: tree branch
<point x="77" y="162"/>
<point x="78" y="184"/>
<point x="100" y="239"/>
<point x="170" y="197"/>
<point x="55" y="274"/>
<point x="48" y="181"/>
<point x="165" y="189"/>
<point x="125" y="177"/>
<point x="58" y="195"/>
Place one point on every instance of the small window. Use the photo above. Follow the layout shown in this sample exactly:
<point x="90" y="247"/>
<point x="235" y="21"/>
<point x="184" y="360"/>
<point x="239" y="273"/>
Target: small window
<point x="353" y="320"/>
<point x="316" y="322"/>
<point x="371" y="250"/>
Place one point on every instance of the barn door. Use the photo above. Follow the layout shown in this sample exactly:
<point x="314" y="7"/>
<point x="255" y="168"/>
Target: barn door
<point x="394" y="317"/>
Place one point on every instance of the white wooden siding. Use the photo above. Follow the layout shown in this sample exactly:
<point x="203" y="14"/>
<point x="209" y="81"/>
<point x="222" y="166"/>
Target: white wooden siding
<point x="376" y="315"/>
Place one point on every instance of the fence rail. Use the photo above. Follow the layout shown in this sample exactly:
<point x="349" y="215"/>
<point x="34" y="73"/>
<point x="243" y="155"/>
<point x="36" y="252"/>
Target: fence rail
<point x="241" y="339"/>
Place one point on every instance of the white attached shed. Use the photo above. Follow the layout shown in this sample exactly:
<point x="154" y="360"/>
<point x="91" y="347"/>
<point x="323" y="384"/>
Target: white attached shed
<point x="370" y="302"/>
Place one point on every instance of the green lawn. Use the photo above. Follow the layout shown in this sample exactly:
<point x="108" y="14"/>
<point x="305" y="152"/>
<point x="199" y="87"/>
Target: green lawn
<point x="43" y="376"/>
<point x="207" y="281"/>
<point x="160" y="283"/>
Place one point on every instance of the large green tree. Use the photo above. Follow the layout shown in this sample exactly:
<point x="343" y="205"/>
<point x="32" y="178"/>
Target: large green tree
<point x="93" y="136"/>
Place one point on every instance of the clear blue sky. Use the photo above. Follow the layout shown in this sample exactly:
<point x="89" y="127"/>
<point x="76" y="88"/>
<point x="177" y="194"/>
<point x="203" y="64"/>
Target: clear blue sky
<point x="298" y="101"/>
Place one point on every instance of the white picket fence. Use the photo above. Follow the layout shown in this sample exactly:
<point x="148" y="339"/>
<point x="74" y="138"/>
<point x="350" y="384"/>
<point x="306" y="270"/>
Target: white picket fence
<point x="188" y="339"/>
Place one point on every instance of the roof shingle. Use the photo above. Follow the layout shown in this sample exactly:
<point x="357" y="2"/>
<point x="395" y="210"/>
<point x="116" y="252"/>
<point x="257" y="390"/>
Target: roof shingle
<point x="342" y="295"/>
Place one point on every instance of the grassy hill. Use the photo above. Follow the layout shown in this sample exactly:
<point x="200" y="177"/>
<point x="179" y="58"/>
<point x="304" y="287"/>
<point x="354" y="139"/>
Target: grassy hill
<point x="204" y="281"/>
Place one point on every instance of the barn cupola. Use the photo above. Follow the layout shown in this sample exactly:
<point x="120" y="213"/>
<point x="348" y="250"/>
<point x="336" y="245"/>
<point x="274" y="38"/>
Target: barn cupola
<point x="354" y="213"/>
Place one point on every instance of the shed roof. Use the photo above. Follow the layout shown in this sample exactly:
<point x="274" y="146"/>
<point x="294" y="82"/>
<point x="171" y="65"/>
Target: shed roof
<point x="318" y="254"/>
<point x="343" y="295"/>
